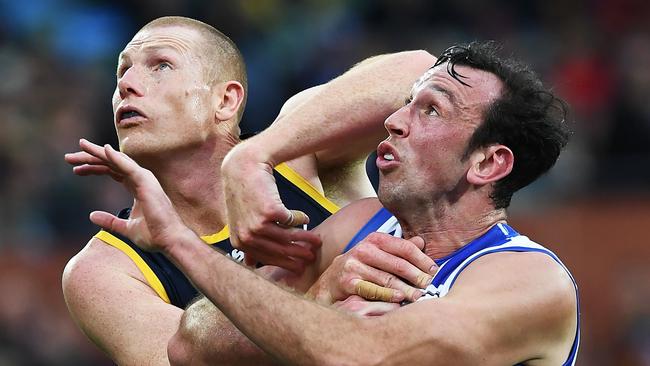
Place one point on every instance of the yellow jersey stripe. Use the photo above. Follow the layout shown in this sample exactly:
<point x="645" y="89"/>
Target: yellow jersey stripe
<point x="223" y="234"/>
<point x="149" y="275"/>
<point x="216" y="237"/>
<point x="306" y="187"/>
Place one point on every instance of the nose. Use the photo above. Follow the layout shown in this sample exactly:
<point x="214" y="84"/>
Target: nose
<point x="130" y="83"/>
<point x="396" y="124"/>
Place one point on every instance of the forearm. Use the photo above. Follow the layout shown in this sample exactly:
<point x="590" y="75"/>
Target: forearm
<point x="270" y="316"/>
<point x="351" y="107"/>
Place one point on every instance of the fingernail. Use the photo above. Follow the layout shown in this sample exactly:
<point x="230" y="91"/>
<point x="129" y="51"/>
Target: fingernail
<point x="433" y="269"/>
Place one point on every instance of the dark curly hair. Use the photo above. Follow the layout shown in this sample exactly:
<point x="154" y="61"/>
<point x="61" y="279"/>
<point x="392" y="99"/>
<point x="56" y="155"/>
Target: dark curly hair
<point x="527" y="117"/>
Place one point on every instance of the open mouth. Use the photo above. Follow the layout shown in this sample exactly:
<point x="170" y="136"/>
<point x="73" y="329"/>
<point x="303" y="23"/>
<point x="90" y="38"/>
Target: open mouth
<point x="129" y="114"/>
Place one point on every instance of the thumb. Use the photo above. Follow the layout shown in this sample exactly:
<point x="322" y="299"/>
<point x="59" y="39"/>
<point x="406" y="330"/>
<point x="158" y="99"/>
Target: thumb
<point x="108" y="221"/>
<point x="418" y="241"/>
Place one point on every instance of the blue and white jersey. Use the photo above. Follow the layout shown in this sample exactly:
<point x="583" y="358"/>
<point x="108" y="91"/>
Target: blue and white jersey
<point x="500" y="238"/>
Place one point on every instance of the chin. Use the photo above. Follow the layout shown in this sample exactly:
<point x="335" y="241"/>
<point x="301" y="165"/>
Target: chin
<point x="136" y="149"/>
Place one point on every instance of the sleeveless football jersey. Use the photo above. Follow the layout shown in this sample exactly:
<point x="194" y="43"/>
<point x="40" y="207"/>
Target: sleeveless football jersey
<point x="170" y="283"/>
<point x="500" y="238"/>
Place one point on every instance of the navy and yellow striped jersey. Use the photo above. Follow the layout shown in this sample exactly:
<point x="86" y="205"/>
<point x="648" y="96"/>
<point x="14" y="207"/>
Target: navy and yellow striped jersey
<point x="170" y="283"/>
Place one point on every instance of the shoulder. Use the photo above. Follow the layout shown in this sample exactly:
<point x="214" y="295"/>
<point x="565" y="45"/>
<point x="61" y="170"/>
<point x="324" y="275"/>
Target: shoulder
<point x="96" y="284"/>
<point x="533" y="296"/>
<point x="96" y="270"/>
<point x="522" y="270"/>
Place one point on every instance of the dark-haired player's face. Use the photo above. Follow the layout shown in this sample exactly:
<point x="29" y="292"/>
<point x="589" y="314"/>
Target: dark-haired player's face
<point x="422" y="158"/>
<point x="162" y="102"/>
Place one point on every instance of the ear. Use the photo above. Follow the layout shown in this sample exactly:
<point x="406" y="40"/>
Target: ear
<point x="230" y="98"/>
<point x="490" y="164"/>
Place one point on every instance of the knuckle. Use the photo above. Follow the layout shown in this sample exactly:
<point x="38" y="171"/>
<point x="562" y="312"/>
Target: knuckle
<point x="351" y="267"/>
<point x="404" y="247"/>
<point x="364" y="253"/>
<point x="256" y="227"/>
<point x="400" y="267"/>
<point x="389" y="280"/>
<point x="245" y="237"/>
<point x="348" y="285"/>
<point x="339" y="261"/>
<point x="374" y="238"/>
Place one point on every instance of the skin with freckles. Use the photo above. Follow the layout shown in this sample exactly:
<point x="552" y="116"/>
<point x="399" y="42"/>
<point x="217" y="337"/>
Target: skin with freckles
<point x="177" y="104"/>
<point x="506" y="308"/>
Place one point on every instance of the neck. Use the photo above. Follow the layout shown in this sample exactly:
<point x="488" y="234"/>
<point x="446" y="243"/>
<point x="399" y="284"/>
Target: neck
<point x="192" y="181"/>
<point x="447" y="228"/>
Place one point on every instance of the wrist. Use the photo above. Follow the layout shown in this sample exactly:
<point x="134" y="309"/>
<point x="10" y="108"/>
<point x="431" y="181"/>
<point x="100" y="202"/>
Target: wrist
<point x="250" y="152"/>
<point x="181" y="239"/>
<point x="319" y="294"/>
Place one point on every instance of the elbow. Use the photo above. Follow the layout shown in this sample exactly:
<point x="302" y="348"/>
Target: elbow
<point x="74" y="282"/>
<point x="420" y="60"/>
<point x="179" y="350"/>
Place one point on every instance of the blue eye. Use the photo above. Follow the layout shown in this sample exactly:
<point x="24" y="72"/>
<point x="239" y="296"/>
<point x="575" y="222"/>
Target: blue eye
<point x="163" y="65"/>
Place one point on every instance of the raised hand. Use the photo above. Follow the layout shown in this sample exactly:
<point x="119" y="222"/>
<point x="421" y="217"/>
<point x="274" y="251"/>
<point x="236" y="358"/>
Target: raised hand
<point x="380" y="267"/>
<point x="153" y="224"/>
<point x="258" y="221"/>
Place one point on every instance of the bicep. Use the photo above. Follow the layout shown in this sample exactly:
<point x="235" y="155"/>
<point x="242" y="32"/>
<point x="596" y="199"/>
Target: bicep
<point x="492" y="317"/>
<point x="116" y="309"/>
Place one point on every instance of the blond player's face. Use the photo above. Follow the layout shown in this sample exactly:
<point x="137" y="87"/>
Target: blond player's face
<point x="423" y="155"/>
<point x="162" y="102"/>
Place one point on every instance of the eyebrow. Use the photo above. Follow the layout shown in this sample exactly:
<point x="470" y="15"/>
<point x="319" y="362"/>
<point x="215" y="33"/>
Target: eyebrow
<point x="148" y="49"/>
<point x="451" y="97"/>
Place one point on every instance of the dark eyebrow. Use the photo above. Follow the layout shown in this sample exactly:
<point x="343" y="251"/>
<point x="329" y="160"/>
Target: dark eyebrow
<point x="451" y="97"/>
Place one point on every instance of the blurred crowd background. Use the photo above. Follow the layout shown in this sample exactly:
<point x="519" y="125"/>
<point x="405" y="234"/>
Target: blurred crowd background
<point x="57" y="67"/>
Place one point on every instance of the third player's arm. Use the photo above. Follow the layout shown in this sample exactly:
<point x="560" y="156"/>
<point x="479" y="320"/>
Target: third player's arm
<point x="331" y="129"/>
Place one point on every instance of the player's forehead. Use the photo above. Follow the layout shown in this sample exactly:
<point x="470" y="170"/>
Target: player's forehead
<point x="481" y="85"/>
<point x="180" y="39"/>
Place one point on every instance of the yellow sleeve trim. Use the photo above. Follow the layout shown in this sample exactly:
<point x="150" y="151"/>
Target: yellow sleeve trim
<point x="149" y="275"/>
<point x="217" y="237"/>
<point x="306" y="187"/>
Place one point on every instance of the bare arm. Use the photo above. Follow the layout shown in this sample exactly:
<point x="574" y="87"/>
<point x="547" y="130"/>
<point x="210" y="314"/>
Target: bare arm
<point x="96" y="284"/>
<point x="490" y="317"/>
<point x="333" y="128"/>
<point x="464" y="328"/>
<point x="206" y="335"/>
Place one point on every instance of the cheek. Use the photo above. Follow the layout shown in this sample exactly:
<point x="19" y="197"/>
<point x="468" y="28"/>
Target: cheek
<point x="197" y="103"/>
<point x="115" y="100"/>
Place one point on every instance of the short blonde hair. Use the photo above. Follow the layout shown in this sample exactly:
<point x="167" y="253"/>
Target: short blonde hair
<point x="228" y="61"/>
